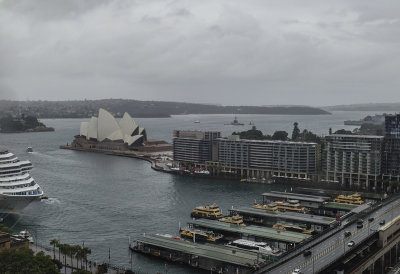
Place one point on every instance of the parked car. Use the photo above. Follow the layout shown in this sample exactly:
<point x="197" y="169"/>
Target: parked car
<point x="360" y="225"/>
<point x="307" y="253"/>
<point x="382" y="222"/>
<point x="351" y="244"/>
<point x="371" y="219"/>
<point x="347" y="233"/>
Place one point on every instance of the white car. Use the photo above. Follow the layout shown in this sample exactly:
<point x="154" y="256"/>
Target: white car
<point x="296" y="271"/>
<point x="351" y="244"/>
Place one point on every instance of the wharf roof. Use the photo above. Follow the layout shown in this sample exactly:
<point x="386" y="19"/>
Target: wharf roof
<point x="258" y="231"/>
<point x="296" y="196"/>
<point x="215" y="252"/>
<point x="340" y="206"/>
<point x="293" y="216"/>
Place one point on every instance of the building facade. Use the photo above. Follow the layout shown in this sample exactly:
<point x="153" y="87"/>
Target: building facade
<point x="194" y="146"/>
<point x="391" y="148"/>
<point x="269" y="158"/>
<point x="352" y="160"/>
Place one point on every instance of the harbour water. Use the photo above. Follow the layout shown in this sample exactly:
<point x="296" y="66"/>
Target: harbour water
<point x="105" y="200"/>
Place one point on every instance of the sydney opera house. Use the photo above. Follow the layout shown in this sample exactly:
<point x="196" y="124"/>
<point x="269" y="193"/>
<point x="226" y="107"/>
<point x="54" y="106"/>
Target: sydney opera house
<point x="105" y="133"/>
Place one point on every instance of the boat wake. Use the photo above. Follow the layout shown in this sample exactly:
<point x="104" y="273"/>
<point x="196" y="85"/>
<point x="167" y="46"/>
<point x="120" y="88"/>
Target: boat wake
<point x="51" y="201"/>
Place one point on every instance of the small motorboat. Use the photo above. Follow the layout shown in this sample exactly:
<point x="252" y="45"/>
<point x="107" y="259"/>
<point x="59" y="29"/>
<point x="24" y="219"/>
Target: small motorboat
<point x="29" y="150"/>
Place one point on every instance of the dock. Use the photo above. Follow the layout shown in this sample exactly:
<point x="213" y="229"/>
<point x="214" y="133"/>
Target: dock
<point x="270" y="218"/>
<point x="340" y="206"/>
<point x="311" y="201"/>
<point x="220" y="258"/>
<point x="251" y="231"/>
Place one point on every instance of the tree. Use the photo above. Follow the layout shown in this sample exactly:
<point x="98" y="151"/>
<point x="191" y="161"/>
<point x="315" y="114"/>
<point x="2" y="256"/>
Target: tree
<point x="86" y="251"/>
<point x="81" y="272"/>
<point x="280" y="135"/>
<point x="343" y="131"/>
<point x="296" y="131"/>
<point x="5" y="229"/>
<point x="54" y="243"/>
<point x="24" y="261"/>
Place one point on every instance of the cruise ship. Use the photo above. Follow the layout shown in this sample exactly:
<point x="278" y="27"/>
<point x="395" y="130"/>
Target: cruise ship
<point x="17" y="188"/>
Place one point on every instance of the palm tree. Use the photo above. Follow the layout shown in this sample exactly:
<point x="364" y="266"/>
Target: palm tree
<point x="86" y="251"/>
<point x="64" y="249"/>
<point x="54" y="242"/>
<point x="78" y="254"/>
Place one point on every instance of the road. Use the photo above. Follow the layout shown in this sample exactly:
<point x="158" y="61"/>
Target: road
<point x="335" y="246"/>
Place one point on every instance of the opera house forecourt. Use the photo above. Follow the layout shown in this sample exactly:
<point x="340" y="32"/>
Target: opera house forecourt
<point x="105" y="134"/>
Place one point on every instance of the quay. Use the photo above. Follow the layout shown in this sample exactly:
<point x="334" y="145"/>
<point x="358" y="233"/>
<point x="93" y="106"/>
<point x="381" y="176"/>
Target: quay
<point x="219" y="258"/>
<point x="318" y="223"/>
<point x="282" y="239"/>
<point x="310" y="201"/>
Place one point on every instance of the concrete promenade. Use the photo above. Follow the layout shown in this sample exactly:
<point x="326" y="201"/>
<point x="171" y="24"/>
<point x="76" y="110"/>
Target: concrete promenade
<point x="67" y="269"/>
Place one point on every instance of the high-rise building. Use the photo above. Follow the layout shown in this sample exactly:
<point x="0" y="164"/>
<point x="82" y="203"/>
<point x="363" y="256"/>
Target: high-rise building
<point x="194" y="146"/>
<point x="352" y="160"/>
<point x="269" y="158"/>
<point x="391" y="148"/>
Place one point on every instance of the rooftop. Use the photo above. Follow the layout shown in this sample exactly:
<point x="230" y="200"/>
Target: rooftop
<point x="214" y="252"/>
<point x="294" y="216"/>
<point x="258" y="231"/>
<point x="296" y="196"/>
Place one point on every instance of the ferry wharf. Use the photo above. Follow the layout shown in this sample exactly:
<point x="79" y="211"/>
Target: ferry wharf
<point x="278" y="238"/>
<point x="211" y="257"/>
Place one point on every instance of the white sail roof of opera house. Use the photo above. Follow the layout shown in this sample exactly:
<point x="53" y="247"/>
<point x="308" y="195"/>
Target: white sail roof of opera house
<point x="106" y="128"/>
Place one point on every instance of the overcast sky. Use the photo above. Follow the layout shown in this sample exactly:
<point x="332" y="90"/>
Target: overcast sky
<point x="225" y="52"/>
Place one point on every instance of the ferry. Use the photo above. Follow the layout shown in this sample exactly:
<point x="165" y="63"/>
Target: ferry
<point x="269" y="207"/>
<point x="235" y="219"/>
<point x="354" y="199"/>
<point x="293" y="228"/>
<point x="235" y="122"/>
<point x="290" y="205"/>
<point x="253" y="246"/>
<point x="200" y="236"/>
<point x="212" y="212"/>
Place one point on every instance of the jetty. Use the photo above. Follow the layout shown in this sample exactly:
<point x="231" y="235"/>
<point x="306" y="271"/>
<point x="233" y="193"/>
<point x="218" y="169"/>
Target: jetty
<point x="219" y="258"/>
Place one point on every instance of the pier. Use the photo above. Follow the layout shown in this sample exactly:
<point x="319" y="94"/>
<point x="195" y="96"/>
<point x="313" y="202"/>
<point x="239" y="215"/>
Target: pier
<point x="282" y="239"/>
<point x="270" y="218"/>
<point x="218" y="258"/>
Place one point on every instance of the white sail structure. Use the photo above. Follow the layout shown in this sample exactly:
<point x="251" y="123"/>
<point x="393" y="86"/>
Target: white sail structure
<point x="106" y="129"/>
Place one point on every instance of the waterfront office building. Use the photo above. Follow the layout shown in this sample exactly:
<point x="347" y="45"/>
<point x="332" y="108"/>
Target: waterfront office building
<point x="391" y="148"/>
<point x="269" y="158"/>
<point x="194" y="146"/>
<point x="352" y="160"/>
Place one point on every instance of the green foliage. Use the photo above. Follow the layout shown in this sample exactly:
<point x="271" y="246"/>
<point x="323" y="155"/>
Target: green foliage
<point x="296" y="131"/>
<point x="5" y="229"/>
<point x="372" y="129"/>
<point x="11" y="124"/>
<point x="81" y="272"/>
<point x="343" y="131"/>
<point x="280" y="135"/>
<point x="24" y="261"/>
<point x="308" y="136"/>
<point x="252" y="134"/>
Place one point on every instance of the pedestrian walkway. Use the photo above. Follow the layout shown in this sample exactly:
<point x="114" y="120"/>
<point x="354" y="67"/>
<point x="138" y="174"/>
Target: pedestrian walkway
<point x="69" y="268"/>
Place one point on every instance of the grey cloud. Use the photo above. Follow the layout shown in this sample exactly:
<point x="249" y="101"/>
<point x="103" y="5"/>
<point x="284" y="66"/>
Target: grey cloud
<point x="232" y="52"/>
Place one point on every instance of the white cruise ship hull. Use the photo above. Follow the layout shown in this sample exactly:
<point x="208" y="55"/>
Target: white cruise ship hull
<point x="15" y="204"/>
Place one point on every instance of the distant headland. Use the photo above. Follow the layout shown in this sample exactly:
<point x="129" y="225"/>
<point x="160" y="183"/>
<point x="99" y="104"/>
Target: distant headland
<point x="23" y="123"/>
<point x="142" y="109"/>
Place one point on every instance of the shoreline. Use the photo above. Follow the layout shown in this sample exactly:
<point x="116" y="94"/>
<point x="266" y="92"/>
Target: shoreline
<point x="155" y="165"/>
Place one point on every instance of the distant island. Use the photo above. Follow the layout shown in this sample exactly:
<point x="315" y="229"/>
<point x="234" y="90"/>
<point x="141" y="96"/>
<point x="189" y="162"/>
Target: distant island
<point x="142" y="109"/>
<point x="10" y="124"/>
<point x="389" y="107"/>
